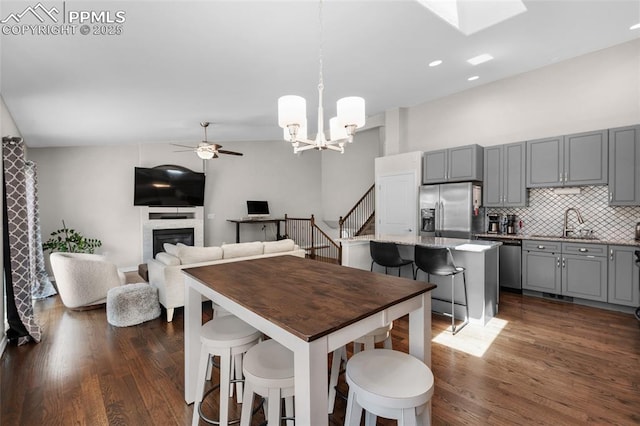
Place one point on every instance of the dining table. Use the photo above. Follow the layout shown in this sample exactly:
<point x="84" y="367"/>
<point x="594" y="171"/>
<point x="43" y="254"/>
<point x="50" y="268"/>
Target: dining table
<point x="310" y="307"/>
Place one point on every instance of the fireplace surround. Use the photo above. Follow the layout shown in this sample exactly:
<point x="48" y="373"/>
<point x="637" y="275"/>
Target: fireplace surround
<point x="170" y="224"/>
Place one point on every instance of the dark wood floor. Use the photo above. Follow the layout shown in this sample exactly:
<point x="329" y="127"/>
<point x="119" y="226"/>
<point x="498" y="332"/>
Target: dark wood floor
<point x="539" y="362"/>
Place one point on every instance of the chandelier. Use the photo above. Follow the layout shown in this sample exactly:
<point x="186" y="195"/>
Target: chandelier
<point x="292" y="117"/>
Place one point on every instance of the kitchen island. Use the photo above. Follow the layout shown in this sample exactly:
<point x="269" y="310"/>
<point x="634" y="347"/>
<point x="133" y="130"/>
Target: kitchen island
<point x="480" y="258"/>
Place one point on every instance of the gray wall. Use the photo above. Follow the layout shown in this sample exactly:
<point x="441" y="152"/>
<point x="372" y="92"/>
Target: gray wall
<point x="91" y="188"/>
<point x="594" y="91"/>
<point x="346" y="177"/>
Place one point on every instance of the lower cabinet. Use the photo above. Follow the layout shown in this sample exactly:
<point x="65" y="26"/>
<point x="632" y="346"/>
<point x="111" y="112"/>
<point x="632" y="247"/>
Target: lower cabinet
<point x="624" y="276"/>
<point x="584" y="277"/>
<point x="569" y="269"/>
<point x="541" y="266"/>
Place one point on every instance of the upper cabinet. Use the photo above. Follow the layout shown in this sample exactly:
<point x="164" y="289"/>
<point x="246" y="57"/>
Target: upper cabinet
<point x="624" y="166"/>
<point x="504" y="176"/>
<point x="458" y="164"/>
<point x="579" y="159"/>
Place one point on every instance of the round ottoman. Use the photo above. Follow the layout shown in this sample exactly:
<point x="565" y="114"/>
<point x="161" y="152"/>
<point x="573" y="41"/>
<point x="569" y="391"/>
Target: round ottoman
<point x="132" y="304"/>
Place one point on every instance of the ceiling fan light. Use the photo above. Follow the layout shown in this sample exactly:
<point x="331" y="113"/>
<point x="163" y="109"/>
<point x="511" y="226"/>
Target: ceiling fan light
<point x="351" y="111"/>
<point x="292" y="109"/>
<point x="205" y="154"/>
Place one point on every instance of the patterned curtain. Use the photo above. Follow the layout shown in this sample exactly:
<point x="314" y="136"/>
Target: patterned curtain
<point x="22" y="324"/>
<point x="41" y="286"/>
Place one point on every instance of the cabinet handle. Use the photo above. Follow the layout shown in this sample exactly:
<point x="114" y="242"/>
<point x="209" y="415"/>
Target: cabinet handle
<point x="610" y="196"/>
<point x="558" y="262"/>
<point x="583" y="250"/>
<point x="564" y="262"/>
<point x="541" y="247"/>
<point x="611" y="254"/>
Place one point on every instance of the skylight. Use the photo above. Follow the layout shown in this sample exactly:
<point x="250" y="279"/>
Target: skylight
<point x="471" y="16"/>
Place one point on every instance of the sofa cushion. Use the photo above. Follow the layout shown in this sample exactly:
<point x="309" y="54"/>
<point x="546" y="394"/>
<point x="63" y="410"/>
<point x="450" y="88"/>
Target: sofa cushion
<point x="242" y="249"/>
<point x="172" y="249"/>
<point x="189" y="254"/>
<point x="167" y="259"/>
<point x="278" y="246"/>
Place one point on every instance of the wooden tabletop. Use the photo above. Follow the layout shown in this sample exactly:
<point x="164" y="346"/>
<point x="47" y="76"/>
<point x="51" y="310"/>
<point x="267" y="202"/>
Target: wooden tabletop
<point x="308" y="298"/>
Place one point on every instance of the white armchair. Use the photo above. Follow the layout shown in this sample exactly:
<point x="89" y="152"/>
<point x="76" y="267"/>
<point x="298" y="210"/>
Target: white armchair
<point x="84" y="279"/>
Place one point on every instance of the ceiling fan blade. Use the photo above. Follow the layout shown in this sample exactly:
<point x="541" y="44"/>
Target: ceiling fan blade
<point x="183" y="146"/>
<point x="224" y="151"/>
<point x="184" y="150"/>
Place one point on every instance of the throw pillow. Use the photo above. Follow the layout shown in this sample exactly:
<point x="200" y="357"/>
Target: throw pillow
<point x="278" y="246"/>
<point x="242" y="249"/>
<point x="189" y="254"/>
<point x="172" y="249"/>
<point x="167" y="259"/>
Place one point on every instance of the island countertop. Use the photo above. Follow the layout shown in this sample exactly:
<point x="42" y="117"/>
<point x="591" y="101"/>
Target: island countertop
<point x="418" y="240"/>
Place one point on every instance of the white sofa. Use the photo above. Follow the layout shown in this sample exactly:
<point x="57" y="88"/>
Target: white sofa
<point x="165" y="271"/>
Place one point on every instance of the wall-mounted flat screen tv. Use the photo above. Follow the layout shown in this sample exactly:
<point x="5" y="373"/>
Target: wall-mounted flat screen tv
<point x="168" y="186"/>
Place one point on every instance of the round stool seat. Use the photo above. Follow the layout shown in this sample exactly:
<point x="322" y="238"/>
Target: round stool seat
<point x="228" y="331"/>
<point x="227" y="337"/>
<point x="268" y="371"/>
<point x="269" y="364"/>
<point x="389" y="378"/>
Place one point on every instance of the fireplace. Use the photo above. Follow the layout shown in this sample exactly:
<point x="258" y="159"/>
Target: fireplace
<point x="172" y="236"/>
<point x="170" y="225"/>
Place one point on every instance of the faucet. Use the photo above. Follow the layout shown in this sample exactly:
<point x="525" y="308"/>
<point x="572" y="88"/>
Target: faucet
<point x="566" y="229"/>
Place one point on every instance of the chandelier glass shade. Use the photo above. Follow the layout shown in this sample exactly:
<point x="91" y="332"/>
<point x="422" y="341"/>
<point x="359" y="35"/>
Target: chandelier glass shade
<point x="292" y="117"/>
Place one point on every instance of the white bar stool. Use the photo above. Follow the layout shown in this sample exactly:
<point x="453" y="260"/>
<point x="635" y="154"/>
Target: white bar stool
<point x="227" y="337"/>
<point x="368" y="341"/>
<point x="389" y="384"/>
<point x="268" y="371"/>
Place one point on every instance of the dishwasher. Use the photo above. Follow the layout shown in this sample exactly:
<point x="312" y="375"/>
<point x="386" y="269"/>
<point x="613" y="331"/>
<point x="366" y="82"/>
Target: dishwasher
<point x="510" y="263"/>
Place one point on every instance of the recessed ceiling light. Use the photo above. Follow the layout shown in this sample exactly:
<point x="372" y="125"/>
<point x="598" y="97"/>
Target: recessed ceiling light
<point x="475" y="77"/>
<point x="435" y="63"/>
<point x="480" y="59"/>
<point x="635" y="27"/>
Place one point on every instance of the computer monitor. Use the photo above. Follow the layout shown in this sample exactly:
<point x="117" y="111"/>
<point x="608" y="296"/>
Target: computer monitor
<point x="257" y="208"/>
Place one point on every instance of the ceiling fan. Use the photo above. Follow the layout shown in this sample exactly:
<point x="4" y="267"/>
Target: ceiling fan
<point x="205" y="149"/>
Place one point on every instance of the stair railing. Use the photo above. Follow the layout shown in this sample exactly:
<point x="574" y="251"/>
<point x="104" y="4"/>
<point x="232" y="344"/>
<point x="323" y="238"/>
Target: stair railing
<point x="317" y="244"/>
<point x="360" y="217"/>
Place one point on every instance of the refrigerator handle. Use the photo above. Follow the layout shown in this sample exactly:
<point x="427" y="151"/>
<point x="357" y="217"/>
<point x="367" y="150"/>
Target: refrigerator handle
<point x="441" y="216"/>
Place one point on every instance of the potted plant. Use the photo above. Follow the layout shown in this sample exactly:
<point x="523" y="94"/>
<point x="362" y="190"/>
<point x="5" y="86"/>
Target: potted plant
<point x="69" y="240"/>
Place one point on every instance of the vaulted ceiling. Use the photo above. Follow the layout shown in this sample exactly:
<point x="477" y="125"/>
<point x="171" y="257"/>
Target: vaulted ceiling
<point x="177" y="63"/>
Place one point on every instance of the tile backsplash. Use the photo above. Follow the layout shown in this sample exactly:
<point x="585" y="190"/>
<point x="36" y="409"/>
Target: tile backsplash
<point x="545" y="214"/>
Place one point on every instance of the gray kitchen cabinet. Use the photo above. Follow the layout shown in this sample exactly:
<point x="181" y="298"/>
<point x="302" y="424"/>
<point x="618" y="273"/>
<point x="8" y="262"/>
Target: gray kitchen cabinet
<point x="584" y="271"/>
<point x="578" y="159"/>
<point x="504" y="176"/>
<point x="458" y="164"/>
<point x="624" y="276"/>
<point x="624" y="166"/>
<point x="541" y="266"/>
<point x="569" y="269"/>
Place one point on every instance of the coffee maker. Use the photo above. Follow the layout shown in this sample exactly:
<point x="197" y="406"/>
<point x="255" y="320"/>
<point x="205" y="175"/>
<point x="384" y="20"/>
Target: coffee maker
<point x="494" y="224"/>
<point x="511" y="224"/>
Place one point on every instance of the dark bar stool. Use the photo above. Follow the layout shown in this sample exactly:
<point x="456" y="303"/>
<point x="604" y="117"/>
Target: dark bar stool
<point x="387" y="255"/>
<point x="439" y="261"/>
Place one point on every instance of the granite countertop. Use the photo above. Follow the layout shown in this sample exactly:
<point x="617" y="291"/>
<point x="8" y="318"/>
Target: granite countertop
<point x="416" y="240"/>
<point x="626" y="242"/>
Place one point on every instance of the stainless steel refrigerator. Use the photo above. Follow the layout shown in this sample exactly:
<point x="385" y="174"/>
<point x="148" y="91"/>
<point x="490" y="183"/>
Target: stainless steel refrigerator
<point x="451" y="210"/>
